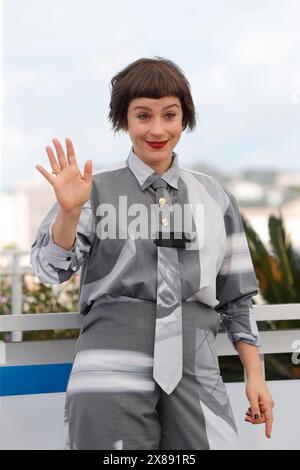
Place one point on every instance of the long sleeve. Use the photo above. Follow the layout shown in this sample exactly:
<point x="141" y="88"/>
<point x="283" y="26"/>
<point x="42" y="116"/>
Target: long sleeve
<point x="53" y="264"/>
<point x="236" y="281"/>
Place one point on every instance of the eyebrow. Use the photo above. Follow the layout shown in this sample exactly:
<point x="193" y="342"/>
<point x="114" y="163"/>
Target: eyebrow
<point x="145" y="107"/>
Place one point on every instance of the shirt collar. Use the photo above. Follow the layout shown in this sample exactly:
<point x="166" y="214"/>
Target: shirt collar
<point x="146" y="175"/>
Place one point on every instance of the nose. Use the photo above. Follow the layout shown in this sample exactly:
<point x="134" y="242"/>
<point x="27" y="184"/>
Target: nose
<point x="157" y="129"/>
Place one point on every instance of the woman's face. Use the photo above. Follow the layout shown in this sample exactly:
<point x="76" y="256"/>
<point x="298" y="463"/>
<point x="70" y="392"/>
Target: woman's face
<point x="155" y="120"/>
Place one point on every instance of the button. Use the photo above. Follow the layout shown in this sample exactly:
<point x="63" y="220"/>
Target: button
<point x="162" y="201"/>
<point x="68" y="258"/>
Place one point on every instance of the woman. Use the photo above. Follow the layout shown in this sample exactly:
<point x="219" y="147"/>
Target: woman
<point x="145" y="372"/>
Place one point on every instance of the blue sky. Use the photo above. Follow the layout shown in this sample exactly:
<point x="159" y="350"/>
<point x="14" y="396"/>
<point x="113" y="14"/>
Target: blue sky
<point x="240" y="57"/>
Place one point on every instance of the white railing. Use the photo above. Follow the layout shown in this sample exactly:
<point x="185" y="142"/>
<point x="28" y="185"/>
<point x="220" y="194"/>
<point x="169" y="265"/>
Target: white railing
<point x="26" y="420"/>
<point x="15" y="263"/>
<point x="274" y="341"/>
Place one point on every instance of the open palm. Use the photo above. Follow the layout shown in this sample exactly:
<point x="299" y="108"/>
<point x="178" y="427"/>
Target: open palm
<point x="72" y="189"/>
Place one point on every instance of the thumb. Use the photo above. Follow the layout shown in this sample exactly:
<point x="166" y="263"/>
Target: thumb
<point x="88" y="171"/>
<point x="255" y="411"/>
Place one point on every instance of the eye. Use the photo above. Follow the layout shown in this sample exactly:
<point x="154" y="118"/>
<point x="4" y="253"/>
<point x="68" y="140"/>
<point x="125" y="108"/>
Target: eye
<point x="142" y="115"/>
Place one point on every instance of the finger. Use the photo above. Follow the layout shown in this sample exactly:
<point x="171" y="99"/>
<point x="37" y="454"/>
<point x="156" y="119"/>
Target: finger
<point x="70" y="152"/>
<point x="249" y="419"/>
<point x="269" y="422"/>
<point x="53" y="162"/>
<point x="255" y="411"/>
<point x="88" y="171"/>
<point x="261" y="414"/>
<point x="46" y="174"/>
<point x="254" y="421"/>
<point x="60" y="154"/>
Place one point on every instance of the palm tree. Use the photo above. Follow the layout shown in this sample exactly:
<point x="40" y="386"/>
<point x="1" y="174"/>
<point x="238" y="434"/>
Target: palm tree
<point x="277" y="271"/>
<point x="278" y="274"/>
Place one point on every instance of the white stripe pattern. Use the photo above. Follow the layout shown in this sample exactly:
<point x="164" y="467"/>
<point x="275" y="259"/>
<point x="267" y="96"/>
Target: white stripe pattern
<point x="236" y="263"/>
<point x="236" y="243"/>
<point x="112" y="360"/>
<point x="109" y="381"/>
<point x="111" y="371"/>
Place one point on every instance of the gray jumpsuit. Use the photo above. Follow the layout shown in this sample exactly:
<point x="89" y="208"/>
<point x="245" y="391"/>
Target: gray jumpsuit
<point x="112" y="400"/>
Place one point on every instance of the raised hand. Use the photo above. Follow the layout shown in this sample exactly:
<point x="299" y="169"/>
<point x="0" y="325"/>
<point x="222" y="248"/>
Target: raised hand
<point x="72" y="189"/>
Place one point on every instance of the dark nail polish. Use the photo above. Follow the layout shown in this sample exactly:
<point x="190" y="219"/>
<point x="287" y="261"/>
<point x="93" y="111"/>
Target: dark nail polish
<point x="256" y="417"/>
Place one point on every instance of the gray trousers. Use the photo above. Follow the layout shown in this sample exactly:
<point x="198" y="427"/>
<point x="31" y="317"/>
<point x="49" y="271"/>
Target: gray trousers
<point x="112" y="401"/>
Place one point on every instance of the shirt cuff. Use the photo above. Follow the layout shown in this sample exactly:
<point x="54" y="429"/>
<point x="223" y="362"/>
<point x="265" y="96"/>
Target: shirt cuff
<point x="245" y="337"/>
<point x="58" y="256"/>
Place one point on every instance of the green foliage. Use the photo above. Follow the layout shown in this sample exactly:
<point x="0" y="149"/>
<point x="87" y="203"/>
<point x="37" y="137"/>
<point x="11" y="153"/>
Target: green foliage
<point x="277" y="270"/>
<point x="42" y="298"/>
<point x="5" y="295"/>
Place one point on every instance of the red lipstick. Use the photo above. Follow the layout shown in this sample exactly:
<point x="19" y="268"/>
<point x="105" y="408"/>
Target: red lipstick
<point x="157" y="145"/>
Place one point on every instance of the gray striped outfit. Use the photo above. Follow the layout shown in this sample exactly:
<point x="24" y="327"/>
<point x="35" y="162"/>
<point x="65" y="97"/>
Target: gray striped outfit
<point x="112" y="400"/>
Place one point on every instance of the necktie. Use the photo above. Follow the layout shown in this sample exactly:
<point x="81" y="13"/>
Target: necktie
<point x="167" y="360"/>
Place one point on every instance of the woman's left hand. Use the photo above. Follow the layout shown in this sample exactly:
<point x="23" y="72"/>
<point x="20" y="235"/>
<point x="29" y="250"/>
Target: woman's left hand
<point x="261" y="405"/>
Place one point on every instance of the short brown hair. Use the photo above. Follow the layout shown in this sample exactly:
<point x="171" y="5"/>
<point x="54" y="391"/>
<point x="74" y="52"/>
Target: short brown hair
<point x="149" y="78"/>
